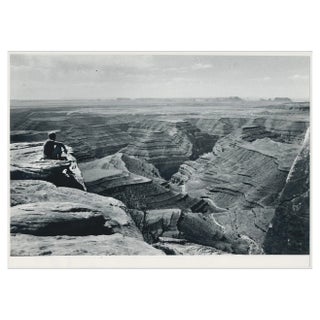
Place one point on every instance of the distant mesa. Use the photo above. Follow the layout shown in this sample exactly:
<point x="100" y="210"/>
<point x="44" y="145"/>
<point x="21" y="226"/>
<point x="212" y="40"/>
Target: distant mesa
<point x="233" y="99"/>
<point x="123" y="99"/>
<point x="276" y="99"/>
<point x="282" y="99"/>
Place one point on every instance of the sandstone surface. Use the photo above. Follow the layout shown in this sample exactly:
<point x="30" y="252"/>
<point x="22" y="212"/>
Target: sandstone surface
<point x="36" y="191"/>
<point x="63" y="218"/>
<point x="172" y="247"/>
<point x="111" y="172"/>
<point x="99" y="245"/>
<point x="26" y="162"/>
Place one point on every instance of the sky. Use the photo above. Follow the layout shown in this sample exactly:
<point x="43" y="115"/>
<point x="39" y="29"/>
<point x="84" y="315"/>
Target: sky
<point x="104" y="76"/>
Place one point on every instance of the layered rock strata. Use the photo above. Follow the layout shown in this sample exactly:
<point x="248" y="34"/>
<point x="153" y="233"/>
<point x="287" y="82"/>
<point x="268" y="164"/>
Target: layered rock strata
<point x="167" y="144"/>
<point x="232" y="175"/>
<point x="111" y="172"/>
<point x="242" y="176"/>
<point x="91" y="136"/>
<point x="290" y="131"/>
<point x="141" y="187"/>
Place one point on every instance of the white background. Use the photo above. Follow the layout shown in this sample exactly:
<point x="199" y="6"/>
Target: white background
<point x="159" y="25"/>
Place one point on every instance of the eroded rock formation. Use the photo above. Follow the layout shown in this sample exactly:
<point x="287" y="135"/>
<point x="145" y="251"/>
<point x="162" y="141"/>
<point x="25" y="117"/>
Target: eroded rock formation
<point x="169" y="229"/>
<point x="135" y="182"/>
<point x="243" y="176"/>
<point x="232" y="176"/>
<point x="167" y="144"/>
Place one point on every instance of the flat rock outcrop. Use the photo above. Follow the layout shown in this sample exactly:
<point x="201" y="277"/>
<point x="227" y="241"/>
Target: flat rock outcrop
<point x="64" y="218"/>
<point x="42" y="193"/>
<point x="182" y="247"/>
<point x="289" y="230"/>
<point x="26" y="162"/>
<point x="110" y="172"/>
<point x="100" y="245"/>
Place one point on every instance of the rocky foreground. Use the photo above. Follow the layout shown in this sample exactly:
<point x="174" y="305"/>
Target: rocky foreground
<point x="143" y="186"/>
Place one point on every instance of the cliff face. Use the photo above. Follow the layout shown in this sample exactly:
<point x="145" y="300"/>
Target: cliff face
<point x="244" y="170"/>
<point x="289" y="229"/>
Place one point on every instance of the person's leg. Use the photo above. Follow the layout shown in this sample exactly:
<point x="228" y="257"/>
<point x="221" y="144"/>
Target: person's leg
<point x="57" y="151"/>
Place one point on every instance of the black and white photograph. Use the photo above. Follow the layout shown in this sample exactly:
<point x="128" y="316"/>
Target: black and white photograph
<point x="159" y="154"/>
<point x="159" y="159"/>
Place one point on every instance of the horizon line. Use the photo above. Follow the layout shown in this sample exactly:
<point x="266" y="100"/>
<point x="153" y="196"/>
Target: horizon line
<point x="162" y="98"/>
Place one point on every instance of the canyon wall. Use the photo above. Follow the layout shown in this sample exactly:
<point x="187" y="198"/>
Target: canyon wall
<point x="289" y="231"/>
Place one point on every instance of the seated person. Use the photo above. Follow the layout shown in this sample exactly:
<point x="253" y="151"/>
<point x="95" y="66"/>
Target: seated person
<point x="53" y="149"/>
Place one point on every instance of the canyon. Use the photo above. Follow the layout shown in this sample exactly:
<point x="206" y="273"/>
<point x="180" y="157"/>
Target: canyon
<point x="169" y="177"/>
